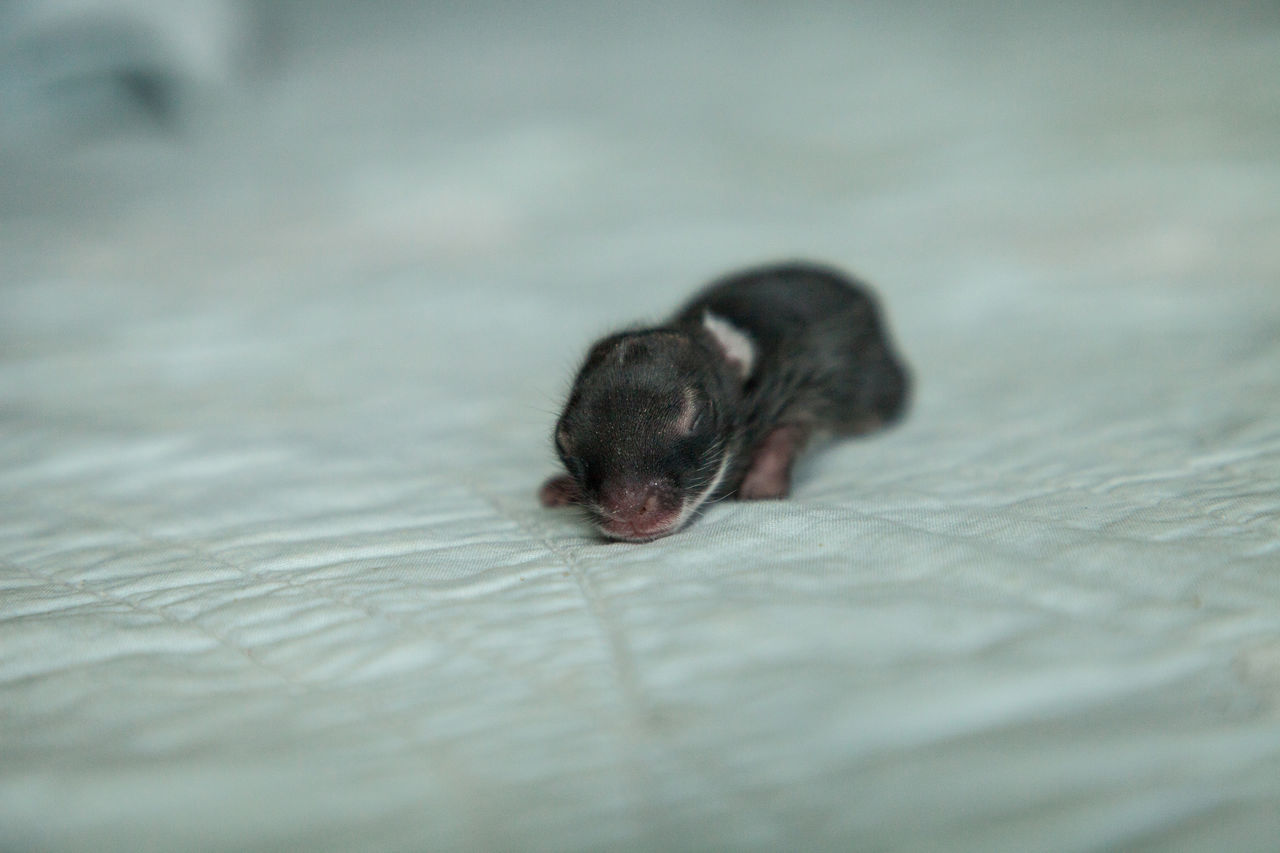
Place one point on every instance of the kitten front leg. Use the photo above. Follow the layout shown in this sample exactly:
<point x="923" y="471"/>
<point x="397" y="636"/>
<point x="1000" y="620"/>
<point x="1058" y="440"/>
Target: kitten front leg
<point x="560" y="490"/>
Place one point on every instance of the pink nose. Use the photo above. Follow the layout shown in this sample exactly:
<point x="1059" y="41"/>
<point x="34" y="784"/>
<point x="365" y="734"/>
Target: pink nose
<point x="631" y="500"/>
<point x="638" y="508"/>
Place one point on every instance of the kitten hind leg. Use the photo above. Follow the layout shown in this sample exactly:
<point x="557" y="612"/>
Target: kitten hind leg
<point x="769" y="476"/>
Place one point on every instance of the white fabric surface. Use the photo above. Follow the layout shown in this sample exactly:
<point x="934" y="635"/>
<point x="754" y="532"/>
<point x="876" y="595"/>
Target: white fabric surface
<point x="276" y="391"/>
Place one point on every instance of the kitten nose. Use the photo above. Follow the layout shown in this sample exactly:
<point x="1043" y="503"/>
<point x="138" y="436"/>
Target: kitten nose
<point x="632" y="499"/>
<point x="639" y="509"/>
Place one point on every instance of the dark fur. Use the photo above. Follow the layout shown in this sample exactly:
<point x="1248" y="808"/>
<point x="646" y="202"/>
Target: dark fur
<point x="654" y="411"/>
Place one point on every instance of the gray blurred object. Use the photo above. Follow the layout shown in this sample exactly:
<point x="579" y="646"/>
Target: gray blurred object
<point x="76" y="69"/>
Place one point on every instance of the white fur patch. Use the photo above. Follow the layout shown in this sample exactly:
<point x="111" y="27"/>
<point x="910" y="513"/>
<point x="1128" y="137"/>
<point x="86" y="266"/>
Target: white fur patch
<point x="691" y="505"/>
<point x="738" y="349"/>
<point x="688" y="413"/>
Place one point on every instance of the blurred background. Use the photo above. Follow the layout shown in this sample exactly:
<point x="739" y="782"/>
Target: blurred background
<point x="339" y="176"/>
<point x="469" y="135"/>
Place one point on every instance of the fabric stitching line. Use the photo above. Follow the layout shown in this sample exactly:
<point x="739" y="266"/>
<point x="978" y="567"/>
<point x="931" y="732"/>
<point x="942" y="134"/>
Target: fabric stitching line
<point x="288" y="581"/>
<point x="642" y="716"/>
<point x="397" y="725"/>
<point x="632" y="700"/>
<point x="619" y="651"/>
<point x="647" y="811"/>
<point x="733" y="798"/>
<point x="222" y="640"/>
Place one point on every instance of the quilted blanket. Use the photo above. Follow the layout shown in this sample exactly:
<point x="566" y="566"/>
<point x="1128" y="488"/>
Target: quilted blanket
<point x="286" y="317"/>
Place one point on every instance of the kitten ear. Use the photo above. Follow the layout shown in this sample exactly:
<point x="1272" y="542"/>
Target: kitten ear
<point x="735" y="346"/>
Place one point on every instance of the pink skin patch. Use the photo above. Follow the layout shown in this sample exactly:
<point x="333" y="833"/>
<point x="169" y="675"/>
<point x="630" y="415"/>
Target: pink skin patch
<point x="638" y="511"/>
<point x="642" y="526"/>
<point x="559" y="491"/>
<point x="635" y="512"/>
<point x="769" y="476"/>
